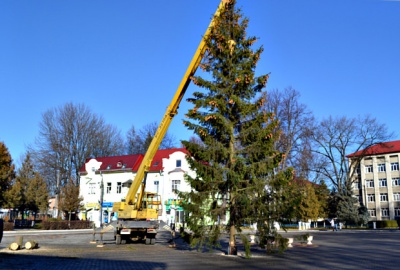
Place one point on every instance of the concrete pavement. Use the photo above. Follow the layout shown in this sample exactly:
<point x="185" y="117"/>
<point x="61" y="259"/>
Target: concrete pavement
<point x="330" y="250"/>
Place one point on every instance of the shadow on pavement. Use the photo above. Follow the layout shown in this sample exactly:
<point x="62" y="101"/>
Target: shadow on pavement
<point x="32" y="262"/>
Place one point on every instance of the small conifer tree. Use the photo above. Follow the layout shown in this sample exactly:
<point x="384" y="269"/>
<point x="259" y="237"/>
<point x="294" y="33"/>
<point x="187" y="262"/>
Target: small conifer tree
<point x="28" y="190"/>
<point x="70" y="200"/>
<point x="7" y="172"/>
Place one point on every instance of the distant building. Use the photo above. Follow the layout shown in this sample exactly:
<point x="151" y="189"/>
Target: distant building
<point x="376" y="181"/>
<point x="52" y="210"/>
<point x="4" y="213"/>
<point x="166" y="175"/>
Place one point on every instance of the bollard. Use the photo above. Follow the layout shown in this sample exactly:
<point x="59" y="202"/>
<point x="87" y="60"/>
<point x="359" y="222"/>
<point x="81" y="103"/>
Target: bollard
<point x="101" y="244"/>
<point x="94" y="235"/>
<point x="290" y="242"/>
<point x="252" y="239"/>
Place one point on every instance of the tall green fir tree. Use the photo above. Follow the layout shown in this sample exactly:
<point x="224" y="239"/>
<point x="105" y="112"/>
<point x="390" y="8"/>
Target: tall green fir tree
<point x="235" y="161"/>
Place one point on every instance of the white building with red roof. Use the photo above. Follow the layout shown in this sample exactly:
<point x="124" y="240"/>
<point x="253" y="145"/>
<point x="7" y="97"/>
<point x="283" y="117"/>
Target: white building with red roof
<point x="108" y="179"/>
<point x="376" y="179"/>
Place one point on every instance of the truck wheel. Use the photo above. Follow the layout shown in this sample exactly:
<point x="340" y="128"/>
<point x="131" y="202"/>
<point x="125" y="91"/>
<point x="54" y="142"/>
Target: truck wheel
<point x="118" y="239"/>
<point x="152" y="241"/>
<point x="148" y="241"/>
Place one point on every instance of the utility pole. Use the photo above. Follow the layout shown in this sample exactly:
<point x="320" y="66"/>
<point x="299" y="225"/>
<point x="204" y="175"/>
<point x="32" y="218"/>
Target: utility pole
<point x="101" y="198"/>
<point x="57" y="194"/>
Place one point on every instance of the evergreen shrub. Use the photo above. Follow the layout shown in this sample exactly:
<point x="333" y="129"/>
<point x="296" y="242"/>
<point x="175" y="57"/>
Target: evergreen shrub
<point x="8" y="226"/>
<point x="384" y="224"/>
<point x="66" y="225"/>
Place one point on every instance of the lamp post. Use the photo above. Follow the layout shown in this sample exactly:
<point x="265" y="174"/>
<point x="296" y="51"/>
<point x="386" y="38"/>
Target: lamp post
<point x="101" y="198"/>
<point x="57" y="199"/>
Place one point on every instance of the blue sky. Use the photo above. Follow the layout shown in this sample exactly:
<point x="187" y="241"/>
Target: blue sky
<point x="124" y="59"/>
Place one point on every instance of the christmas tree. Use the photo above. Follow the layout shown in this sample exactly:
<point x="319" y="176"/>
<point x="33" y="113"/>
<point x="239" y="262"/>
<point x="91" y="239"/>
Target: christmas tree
<point x="234" y="158"/>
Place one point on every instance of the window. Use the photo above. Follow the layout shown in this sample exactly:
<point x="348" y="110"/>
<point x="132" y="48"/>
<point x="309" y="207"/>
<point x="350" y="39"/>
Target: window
<point x="371" y="197"/>
<point x="357" y="184"/>
<point x="369" y="183"/>
<point x="385" y="212"/>
<point x="381" y="167"/>
<point x="396" y="197"/>
<point x="368" y="169"/>
<point x="179" y="216"/>
<point x="175" y="185"/>
<point x="92" y="188"/>
<point x="397" y="212"/>
<point x="394" y="166"/>
<point x="178" y="163"/>
<point x="395" y="181"/>
<point x="384" y="197"/>
<point x="156" y="184"/>
<point x="108" y="190"/>
<point x="119" y="187"/>
<point x="382" y="182"/>
<point x="372" y="212"/>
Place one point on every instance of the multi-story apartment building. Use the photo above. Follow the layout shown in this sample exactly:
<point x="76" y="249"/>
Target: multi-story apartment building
<point x="376" y="179"/>
<point x="108" y="179"/>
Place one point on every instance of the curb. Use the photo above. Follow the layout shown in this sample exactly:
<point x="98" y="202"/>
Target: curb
<point x="28" y="231"/>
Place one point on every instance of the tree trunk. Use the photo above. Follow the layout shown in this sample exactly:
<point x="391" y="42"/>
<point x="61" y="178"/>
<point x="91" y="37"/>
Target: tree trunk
<point x="232" y="241"/>
<point x="31" y="245"/>
<point x="16" y="245"/>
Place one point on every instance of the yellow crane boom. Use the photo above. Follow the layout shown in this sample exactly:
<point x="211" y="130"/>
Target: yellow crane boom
<point x="171" y="111"/>
<point x="137" y="217"/>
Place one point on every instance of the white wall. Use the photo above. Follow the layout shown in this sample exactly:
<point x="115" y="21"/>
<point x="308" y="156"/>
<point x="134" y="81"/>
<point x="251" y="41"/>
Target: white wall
<point x="90" y="185"/>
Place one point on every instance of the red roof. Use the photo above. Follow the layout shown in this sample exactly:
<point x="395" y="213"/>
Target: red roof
<point x="126" y="162"/>
<point x="378" y="149"/>
<point x="156" y="164"/>
<point x="132" y="162"/>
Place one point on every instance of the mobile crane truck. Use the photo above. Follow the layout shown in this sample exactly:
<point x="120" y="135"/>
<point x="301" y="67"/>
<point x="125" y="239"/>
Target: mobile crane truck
<point x="138" y="212"/>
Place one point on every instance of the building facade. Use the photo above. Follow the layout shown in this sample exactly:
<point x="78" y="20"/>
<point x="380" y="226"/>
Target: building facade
<point x="376" y="179"/>
<point x="106" y="180"/>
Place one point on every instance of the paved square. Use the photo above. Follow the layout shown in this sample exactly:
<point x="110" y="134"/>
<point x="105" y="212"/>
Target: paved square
<point x="347" y="249"/>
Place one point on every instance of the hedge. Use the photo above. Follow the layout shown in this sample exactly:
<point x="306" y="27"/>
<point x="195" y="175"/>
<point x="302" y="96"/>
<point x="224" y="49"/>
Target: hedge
<point x="66" y="225"/>
<point x="8" y="226"/>
<point x="384" y="224"/>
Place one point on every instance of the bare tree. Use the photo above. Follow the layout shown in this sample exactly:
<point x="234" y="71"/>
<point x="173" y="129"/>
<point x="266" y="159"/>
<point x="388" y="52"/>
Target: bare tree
<point x="132" y="143"/>
<point x="334" y="138"/>
<point x="138" y="142"/>
<point x="294" y="122"/>
<point x="196" y="140"/>
<point x="68" y="135"/>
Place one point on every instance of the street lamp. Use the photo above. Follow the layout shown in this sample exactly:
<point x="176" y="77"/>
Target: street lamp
<point x="57" y="199"/>
<point x="101" y="198"/>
